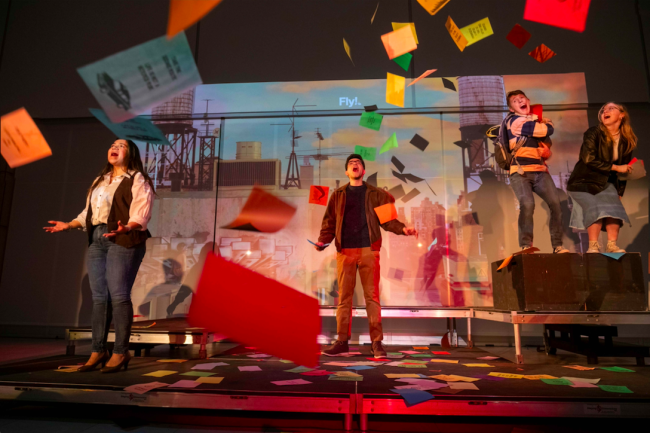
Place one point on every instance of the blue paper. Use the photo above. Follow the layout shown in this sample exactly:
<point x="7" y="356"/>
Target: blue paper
<point x="413" y="396"/>
<point x="615" y="256"/>
<point x="324" y="245"/>
<point x="138" y="128"/>
<point x="132" y="81"/>
<point x="359" y="367"/>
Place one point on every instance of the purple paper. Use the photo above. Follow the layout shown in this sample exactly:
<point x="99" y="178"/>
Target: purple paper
<point x="492" y="378"/>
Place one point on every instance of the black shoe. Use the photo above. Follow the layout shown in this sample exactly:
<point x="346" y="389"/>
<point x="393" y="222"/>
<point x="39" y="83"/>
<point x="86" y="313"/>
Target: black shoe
<point x="118" y="367"/>
<point x="91" y="367"/>
<point x="378" y="350"/>
<point x="337" y="348"/>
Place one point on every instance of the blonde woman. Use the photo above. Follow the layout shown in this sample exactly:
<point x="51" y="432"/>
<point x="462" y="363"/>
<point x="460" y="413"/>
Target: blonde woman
<point x="594" y="185"/>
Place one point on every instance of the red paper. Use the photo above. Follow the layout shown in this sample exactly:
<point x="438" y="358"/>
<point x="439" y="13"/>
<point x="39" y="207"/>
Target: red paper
<point x="440" y="353"/>
<point x="633" y="161"/>
<point x="184" y="13"/>
<point x="318" y="194"/>
<point x="537" y="109"/>
<point x="567" y="14"/>
<point x="262" y="212"/>
<point x="518" y="36"/>
<point x="378" y="359"/>
<point x="542" y="53"/>
<point x="256" y="311"/>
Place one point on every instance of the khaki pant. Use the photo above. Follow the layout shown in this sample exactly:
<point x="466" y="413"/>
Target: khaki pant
<point x="347" y="263"/>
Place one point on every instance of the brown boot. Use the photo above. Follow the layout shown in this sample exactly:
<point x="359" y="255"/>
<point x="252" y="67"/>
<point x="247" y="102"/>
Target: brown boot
<point x="337" y="348"/>
<point x="378" y="350"/>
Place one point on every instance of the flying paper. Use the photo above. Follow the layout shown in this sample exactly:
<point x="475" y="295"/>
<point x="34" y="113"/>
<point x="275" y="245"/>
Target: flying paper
<point x="184" y="13"/>
<point x="426" y="74"/>
<point x="567" y="14"/>
<point x="137" y="128"/>
<point x="395" y="89"/>
<point x="398" y="164"/>
<point x="367" y="153"/>
<point x="419" y="142"/>
<point x="404" y="61"/>
<point x="386" y="212"/>
<point x="518" y="36"/>
<point x="455" y="33"/>
<point x="223" y="284"/>
<point x="401" y="177"/>
<point x="391" y="143"/>
<point x="397" y="26"/>
<point x="413" y="178"/>
<point x="411" y="195"/>
<point x="262" y="212"/>
<point x="318" y="194"/>
<point x="22" y="142"/>
<point x="347" y="50"/>
<point x="132" y="81"/>
<point x="372" y="180"/>
<point x="370" y="107"/>
<point x="397" y="192"/>
<point x="448" y="84"/>
<point x="477" y="31"/>
<point x="542" y="53"/>
<point x="373" y="15"/>
<point x="399" y="42"/>
<point x="371" y="120"/>
<point x="432" y="6"/>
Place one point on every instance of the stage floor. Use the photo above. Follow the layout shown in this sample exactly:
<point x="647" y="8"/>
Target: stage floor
<point x="38" y="380"/>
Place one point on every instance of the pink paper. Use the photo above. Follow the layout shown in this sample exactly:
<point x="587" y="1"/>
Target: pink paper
<point x="410" y="352"/>
<point x="185" y="384"/>
<point x="317" y="373"/>
<point x="259" y="355"/>
<point x="144" y="387"/>
<point x="583" y="385"/>
<point x="250" y="368"/>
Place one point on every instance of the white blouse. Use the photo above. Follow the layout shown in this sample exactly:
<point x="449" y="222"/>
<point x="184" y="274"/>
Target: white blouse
<point x="102" y="200"/>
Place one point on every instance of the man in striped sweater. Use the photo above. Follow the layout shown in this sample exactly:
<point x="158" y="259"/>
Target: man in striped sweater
<point x="529" y="140"/>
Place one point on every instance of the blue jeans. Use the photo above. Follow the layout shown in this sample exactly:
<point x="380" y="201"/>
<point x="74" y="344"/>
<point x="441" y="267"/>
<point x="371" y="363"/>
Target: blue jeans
<point x="542" y="184"/>
<point x="111" y="271"/>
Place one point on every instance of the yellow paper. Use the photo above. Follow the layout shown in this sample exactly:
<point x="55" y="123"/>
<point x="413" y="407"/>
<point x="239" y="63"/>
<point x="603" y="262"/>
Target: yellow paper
<point x="539" y="376"/>
<point x="395" y="89"/>
<point x="347" y="50"/>
<point x="478" y="365"/>
<point x="456" y="34"/>
<point x="477" y="31"/>
<point x="399" y="42"/>
<point x="347" y="373"/>
<point x="400" y="376"/>
<point x="454" y="378"/>
<point x="213" y="380"/>
<point x="22" y="142"/>
<point x="445" y="361"/>
<point x="161" y="373"/>
<point x="172" y="360"/>
<point x="432" y="6"/>
<point x="507" y="375"/>
<point x="73" y="369"/>
<point x="397" y="26"/>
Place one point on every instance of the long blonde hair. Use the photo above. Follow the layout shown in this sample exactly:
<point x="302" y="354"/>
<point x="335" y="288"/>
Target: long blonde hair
<point x="625" y="128"/>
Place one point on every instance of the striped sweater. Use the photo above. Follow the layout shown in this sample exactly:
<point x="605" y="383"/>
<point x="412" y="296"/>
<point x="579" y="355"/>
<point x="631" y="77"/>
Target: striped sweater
<point x="533" y="154"/>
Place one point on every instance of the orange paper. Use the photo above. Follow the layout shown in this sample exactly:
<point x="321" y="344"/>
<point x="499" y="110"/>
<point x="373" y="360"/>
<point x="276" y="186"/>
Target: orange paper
<point x="399" y="42"/>
<point x="268" y="310"/>
<point x="456" y="34"/>
<point x="542" y="53"/>
<point x="318" y="194"/>
<point x="184" y="13"/>
<point x="22" y="142"/>
<point x="508" y="259"/>
<point x="262" y="212"/>
<point x="426" y="74"/>
<point x="385" y="213"/>
<point x="432" y="6"/>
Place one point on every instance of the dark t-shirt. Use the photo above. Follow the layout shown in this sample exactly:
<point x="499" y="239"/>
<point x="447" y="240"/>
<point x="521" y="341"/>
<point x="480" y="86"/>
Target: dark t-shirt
<point x="355" y="233"/>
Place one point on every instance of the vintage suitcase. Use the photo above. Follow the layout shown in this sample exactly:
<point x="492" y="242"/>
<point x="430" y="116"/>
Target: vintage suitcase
<point x="570" y="282"/>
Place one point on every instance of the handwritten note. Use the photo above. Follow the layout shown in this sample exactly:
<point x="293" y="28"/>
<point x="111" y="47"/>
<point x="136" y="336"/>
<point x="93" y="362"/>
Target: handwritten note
<point x="456" y="35"/>
<point x="22" y="141"/>
<point x="477" y="31"/>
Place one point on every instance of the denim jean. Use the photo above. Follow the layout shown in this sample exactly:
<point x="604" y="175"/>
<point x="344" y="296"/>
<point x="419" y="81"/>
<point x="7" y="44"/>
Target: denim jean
<point x="111" y="271"/>
<point x="542" y="184"/>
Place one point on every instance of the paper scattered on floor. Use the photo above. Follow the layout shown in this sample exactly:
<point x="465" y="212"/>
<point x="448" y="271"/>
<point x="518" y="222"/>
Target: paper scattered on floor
<point x="409" y="352"/>
<point x="185" y="384"/>
<point x="208" y="365"/>
<point x="346" y="373"/>
<point x="579" y="367"/>
<point x="198" y="373"/>
<point x="581" y="379"/>
<point x="539" y="377"/>
<point x="345" y="378"/>
<point x="478" y="365"/>
<point x="617" y="369"/>
<point x="259" y="355"/>
<point x="615" y="388"/>
<point x="488" y="358"/>
<point x="250" y="368"/>
<point x="300" y="369"/>
<point x="211" y="380"/>
<point x="400" y="376"/>
<point x="444" y="361"/>
<point x="463" y="385"/>
<point x="359" y="367"/>
<point x="172" y="360"/>
<point x="557" y="381"/>
<point x="492" y="378"/>
<point x="507" y="375"/>
<point x="317" y="373"/>
<point x="583" y="385"/>
<point x="161" y="373"/>
<point x="68" y="369"/>
<point x="413" y="396"/>
<point x="454" y="378"/>
<point x="144" y="387"/>
<point x="440" y="353"/>
<point x="423" y="384"/>
<point x="291" y="382"/>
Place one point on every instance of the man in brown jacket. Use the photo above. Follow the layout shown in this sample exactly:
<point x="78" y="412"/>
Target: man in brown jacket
<point x="351" y="221"/>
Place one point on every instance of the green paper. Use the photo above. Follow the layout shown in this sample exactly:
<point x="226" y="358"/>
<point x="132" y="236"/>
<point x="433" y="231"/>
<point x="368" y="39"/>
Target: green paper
<point x="615" y="388"/>
<point x="395" y="353"/>
<point x="422" y="355"/>
<point x="286" y="361"/>
<point x="557" y="381"/>
<point x="404" y="61"/>
<point x="367" y="153"/>
<point x="388" y="145"/>
<point x="414" y="360"/>
<point x="371" y="120"/>
<point x="300" y="369"/>
<point x="346" y="378"/>
<point x="198" y="373"/>
<point x="618" y="369"/>
<point x="414" y="366"/>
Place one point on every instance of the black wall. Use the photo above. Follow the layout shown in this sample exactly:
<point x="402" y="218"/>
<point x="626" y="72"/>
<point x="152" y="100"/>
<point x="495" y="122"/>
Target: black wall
<point x="245" y="41"/>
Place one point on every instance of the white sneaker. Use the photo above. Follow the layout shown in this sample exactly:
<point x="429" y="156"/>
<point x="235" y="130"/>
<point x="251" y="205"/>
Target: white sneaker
<point x="612" y="248"/>
<point x="560" y="250"/>
<point x="594" y="247"/>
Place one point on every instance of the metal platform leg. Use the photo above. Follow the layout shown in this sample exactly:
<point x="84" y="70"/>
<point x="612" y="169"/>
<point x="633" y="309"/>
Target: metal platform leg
<point x="70" y="348"/>
<point x="470" y="343"/>
<point x="363" y="418"/>
<point x="520" y="357"/>
<point x="348" y="422"/>
<point x="454" y="334"/>
<point x="203" y="353"/>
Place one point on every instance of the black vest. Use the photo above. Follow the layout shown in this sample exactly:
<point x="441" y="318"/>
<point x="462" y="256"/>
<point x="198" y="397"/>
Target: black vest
<point x="119" y="212"/>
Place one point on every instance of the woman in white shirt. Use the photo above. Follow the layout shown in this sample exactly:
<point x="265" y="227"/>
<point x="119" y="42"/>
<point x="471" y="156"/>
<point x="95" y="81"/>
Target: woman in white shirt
<point x="118" y="209"/>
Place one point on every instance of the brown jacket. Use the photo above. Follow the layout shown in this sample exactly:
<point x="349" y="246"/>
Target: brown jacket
<point x="333" y="219"/>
